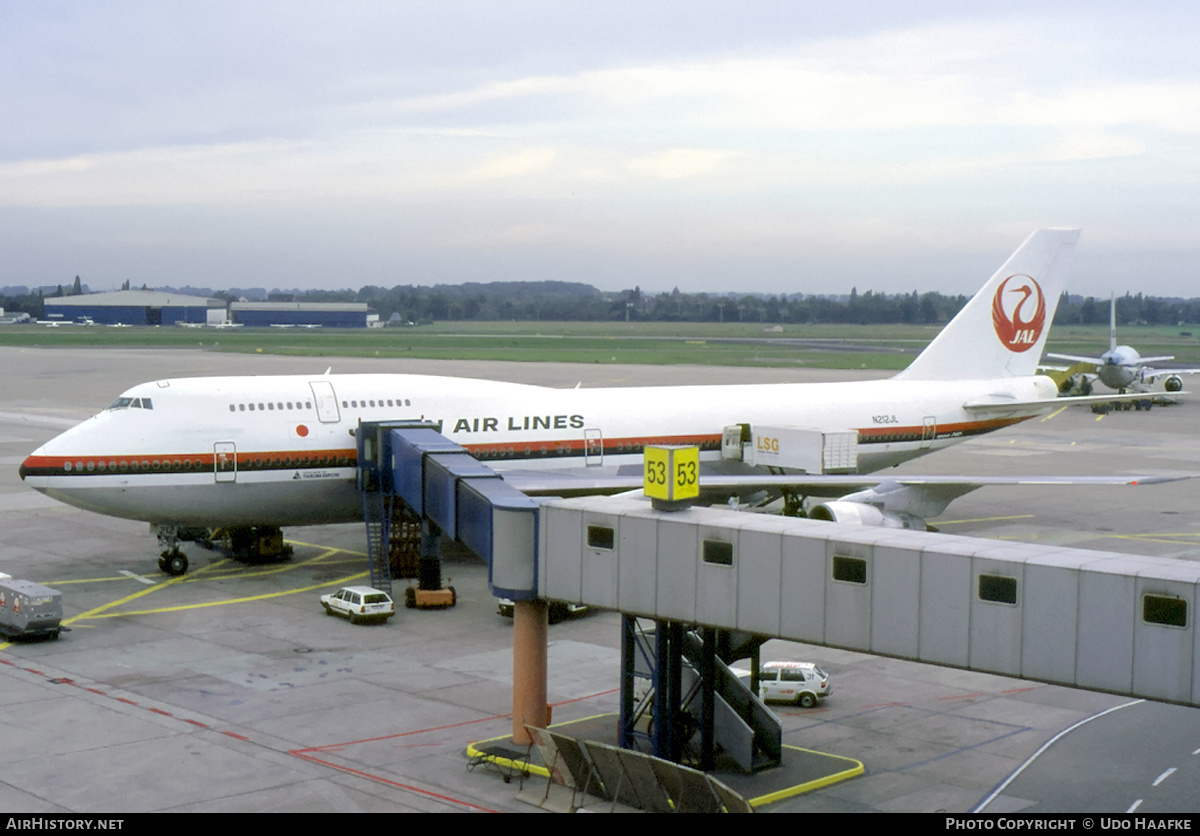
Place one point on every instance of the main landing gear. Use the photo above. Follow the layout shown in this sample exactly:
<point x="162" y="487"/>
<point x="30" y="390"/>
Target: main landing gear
<point x="170" y="559"/>
<point x="249" y="544"/>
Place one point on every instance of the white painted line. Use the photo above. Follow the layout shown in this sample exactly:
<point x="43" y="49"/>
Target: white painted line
<point x="1163" y="777"/>
<point x="979" y="807"/>
<point x="136" y="577"/>
<point x="1136" y="804"/>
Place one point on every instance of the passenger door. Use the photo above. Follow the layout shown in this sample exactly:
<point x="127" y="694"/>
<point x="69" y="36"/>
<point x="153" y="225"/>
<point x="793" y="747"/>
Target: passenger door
<point x="593" y="448"/>
<point x="326" y="400"/>
<point x="225" y="461"/>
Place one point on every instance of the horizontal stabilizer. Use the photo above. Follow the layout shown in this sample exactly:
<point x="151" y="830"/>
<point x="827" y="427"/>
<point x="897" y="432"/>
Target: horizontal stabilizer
<point x="1001" y="407"/>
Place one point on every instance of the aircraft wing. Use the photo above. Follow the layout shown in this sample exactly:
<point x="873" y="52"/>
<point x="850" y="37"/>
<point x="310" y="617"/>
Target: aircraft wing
<point x="572" y="483"/>
<point x="1151" y="374"/>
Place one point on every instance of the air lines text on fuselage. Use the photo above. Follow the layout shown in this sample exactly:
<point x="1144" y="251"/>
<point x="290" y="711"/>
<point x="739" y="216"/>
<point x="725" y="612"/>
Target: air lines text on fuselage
<point x="518" y="423"/>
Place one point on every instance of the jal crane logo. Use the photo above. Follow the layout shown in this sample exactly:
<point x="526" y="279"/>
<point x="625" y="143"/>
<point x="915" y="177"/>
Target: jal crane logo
<point x="1010" y="312"/>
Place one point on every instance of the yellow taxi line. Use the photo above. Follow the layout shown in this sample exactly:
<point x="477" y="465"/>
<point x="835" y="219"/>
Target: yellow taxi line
<point x="340" y="582"/>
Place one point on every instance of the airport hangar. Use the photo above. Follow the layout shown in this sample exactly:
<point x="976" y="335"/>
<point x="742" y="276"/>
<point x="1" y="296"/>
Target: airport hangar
<point x="302" y="314"/>
<point x="152" y="307"/>
<point x="136" y="307"/>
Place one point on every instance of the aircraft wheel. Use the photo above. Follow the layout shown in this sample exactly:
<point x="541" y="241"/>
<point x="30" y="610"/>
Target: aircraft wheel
<point x="162" y="563"/>
<point x="807" y="700"/>
<point x="177" y="564"/>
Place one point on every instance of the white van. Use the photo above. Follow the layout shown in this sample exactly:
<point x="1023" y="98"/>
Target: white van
<point x="800" y="682"/>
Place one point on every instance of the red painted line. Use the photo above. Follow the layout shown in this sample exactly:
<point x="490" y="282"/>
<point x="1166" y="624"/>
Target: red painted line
<point x="334" y="746"/>
<point x="1021" y="690"/>
<point x="407" y="787"/>
<point x="65" y="681"/>
<point x="588" y="697"/>
<point x="963" y="696"/>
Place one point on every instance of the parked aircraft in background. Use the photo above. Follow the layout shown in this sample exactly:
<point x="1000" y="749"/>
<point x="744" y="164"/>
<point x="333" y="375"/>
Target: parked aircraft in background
<point x="253" y="454"/>
<point x="1121" y="367"/>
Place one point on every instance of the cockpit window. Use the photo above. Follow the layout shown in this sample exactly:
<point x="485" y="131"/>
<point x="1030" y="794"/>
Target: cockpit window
<point x="132" y="403"/>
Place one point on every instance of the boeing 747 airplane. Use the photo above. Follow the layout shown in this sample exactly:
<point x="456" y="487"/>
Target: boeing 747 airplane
<point x="242" y="453"/>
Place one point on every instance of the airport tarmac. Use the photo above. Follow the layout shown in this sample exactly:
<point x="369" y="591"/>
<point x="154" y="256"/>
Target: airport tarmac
<point x="230" y="690"/>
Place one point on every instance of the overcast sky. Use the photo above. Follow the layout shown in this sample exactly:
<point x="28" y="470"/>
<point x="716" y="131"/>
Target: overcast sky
<point x="755" y="146"/>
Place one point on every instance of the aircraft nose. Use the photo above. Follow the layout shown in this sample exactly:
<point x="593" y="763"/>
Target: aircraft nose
<point x="33" y="463"/>
<point x="27" y="466"/>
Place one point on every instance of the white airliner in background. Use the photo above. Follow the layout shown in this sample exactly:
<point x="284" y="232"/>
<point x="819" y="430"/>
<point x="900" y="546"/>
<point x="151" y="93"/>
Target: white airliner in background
<point x="1122" y="368"/>
<point x="266" y="452"/>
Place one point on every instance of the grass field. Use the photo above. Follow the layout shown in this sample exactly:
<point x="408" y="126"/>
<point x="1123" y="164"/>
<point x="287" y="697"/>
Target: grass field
<point x="818" y="346"/>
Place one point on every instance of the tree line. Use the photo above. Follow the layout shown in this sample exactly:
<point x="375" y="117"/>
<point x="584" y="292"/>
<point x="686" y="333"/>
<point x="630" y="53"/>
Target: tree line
<point x="577" y="302"/>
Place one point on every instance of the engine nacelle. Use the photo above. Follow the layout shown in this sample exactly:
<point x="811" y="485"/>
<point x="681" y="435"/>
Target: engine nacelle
<point x="859" y="513"/>
<point x="1174" y="383"/>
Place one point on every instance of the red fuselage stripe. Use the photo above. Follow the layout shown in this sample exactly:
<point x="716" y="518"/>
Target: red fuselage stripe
<point x="347" y="457"/>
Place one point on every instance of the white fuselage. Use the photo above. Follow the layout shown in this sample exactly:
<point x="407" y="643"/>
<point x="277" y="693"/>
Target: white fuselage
<point x="1119" y="368"/>
<point x="281" y="451"/>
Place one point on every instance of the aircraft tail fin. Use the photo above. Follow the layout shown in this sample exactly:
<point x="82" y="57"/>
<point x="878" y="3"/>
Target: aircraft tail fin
<point x="1001" y="332"/>
<point x="1112" y="321"/>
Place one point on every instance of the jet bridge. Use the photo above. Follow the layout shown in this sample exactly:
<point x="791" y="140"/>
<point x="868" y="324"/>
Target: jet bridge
<point x="1109" y="622"/>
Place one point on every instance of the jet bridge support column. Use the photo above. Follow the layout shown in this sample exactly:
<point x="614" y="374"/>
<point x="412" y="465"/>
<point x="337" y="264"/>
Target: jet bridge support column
<point x="530" y="620"/>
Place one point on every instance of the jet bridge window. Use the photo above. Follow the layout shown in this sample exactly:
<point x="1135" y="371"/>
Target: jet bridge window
<point x="849" y="569"/>
<point x="1164" y="609"/>
<point x="601" y="537"/>
<point x="717" y="552"/>
<point x="998" y="588"/>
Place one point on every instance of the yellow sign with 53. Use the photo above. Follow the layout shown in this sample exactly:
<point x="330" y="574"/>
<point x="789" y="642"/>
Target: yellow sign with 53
<point x="672" y="473"/>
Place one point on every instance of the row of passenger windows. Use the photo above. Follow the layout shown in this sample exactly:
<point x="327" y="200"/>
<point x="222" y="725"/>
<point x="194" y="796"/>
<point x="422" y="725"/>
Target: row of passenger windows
<point x="205" y="463"/>
<point x="376" y="403"/>
<point x="140" y="464"/>
<point x="270" y="407"/>
<point x="290" y="405"/>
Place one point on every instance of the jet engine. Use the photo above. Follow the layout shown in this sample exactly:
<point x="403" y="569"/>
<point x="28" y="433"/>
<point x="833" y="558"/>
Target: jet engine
<point x="859" y="513"/>
<point x="892" y="504"/>
<point x="1174" y="383"/>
